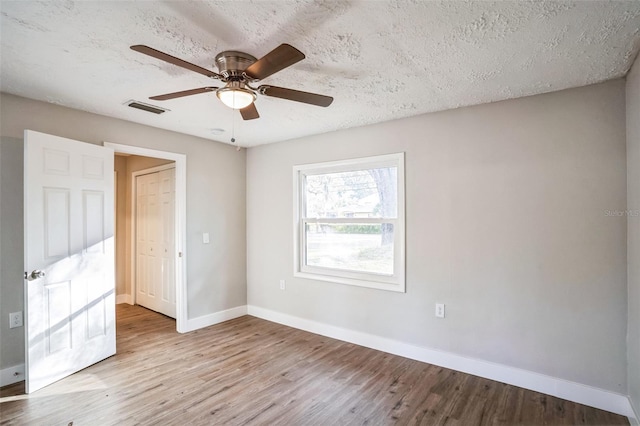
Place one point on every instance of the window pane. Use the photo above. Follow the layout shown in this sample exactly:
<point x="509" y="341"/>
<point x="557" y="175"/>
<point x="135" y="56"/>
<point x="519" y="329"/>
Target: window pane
<point x="351" y="246"/>
<point x="370" y="193"/>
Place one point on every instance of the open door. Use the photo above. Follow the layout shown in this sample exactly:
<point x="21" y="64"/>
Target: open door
<point x="69" y="257"/>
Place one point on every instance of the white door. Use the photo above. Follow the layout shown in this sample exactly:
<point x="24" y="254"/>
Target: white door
<point x="155" y="230"/>
<point x="69" y="257"/>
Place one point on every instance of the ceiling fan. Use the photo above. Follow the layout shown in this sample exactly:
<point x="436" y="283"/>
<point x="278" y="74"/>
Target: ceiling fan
<point x="239" y="70"/>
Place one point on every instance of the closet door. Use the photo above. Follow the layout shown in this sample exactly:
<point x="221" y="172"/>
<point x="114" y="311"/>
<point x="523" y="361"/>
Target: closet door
<point x="155" y="230"/>
<point x="166" y="242"/>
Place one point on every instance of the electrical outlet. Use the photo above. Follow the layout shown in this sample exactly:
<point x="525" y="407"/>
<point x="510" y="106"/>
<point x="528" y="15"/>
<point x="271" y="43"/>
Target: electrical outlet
<point x="440" y="310"/>
<point x="282" y="285"/>
<point x="15" y="319"/>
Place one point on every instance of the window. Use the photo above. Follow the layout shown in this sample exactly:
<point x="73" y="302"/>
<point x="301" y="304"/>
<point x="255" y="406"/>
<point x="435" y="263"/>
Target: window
<point x="349" y="222"/>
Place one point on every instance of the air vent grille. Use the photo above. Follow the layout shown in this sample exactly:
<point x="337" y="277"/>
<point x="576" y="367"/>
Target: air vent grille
<point x="145" y="107"/>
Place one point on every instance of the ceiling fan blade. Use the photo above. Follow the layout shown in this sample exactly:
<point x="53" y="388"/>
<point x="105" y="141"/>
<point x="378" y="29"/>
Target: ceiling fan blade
<point x="182" y="93"/>
<point x="173" y="60"/>
<point x="250" y="112"/>
<point x="296" y="95"/>
<point x="279" y="58"/>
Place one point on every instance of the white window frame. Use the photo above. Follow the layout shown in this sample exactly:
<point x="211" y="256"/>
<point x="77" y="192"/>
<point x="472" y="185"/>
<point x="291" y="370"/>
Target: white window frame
<point x="395" y="282"/>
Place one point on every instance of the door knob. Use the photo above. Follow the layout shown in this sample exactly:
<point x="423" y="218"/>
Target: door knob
<point x="34" y="275"/>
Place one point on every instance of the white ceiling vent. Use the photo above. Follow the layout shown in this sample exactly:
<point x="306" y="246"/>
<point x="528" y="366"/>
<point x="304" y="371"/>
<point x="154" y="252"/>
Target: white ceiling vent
<point x="145" y="107"/>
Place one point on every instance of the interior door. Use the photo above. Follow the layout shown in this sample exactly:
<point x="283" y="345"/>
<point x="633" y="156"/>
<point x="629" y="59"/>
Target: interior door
<point x="69" y="257"/>
<point x="155" y="246"/>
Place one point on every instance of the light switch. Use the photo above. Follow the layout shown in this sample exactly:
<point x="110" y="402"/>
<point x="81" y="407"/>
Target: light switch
<point x="205" y="238"/>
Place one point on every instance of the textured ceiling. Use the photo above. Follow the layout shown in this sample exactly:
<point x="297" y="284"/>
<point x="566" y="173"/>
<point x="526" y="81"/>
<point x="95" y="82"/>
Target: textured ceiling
<point x="380" y="60"/>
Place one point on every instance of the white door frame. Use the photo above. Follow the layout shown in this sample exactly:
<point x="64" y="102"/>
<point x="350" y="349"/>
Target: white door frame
<point x="134" y="225"/>
<point x="180" y="222"/>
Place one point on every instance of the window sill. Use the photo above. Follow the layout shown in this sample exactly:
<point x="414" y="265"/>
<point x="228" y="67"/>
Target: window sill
<point x="395" y="287"/>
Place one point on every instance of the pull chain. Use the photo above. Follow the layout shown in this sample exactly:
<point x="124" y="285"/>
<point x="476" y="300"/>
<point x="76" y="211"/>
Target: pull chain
<point x="233" y="126"/>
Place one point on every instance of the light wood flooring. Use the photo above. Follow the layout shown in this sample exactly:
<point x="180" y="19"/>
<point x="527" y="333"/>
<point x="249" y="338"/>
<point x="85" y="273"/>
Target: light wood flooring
<point x="251" y="371"/>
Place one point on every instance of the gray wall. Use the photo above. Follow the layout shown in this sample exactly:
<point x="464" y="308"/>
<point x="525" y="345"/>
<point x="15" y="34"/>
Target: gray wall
<point x="216" y="273"/>
<point x="11" y="250"/>
<point x="633" y="232"/>
<point x="120" y="166"/>
<point x="506" y="225"/>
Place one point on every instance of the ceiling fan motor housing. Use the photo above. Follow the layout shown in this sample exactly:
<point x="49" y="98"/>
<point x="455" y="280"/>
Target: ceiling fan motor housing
<point x="231" y="64"/>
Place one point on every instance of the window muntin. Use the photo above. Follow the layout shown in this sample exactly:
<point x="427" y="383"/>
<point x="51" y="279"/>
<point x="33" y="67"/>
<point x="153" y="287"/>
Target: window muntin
<point x="350" y="221"/>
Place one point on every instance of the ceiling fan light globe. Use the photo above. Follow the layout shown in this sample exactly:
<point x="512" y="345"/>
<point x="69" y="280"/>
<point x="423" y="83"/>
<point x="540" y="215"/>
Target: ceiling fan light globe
<point x="236" y="98"/>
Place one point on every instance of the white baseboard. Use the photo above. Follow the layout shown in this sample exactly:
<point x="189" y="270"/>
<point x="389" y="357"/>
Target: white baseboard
<point x="576" y="392"/>
<point x="214" y="318"/>
<point x="124" y="298"/>
<point x="11" y="375"/>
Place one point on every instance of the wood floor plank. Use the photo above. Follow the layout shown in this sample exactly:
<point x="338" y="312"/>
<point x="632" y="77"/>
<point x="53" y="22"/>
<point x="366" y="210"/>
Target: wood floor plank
<point x="249" y="371"/>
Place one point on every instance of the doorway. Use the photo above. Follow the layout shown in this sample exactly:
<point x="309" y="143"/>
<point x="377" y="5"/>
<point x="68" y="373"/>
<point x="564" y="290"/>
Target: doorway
<point x="136" y="159"/>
